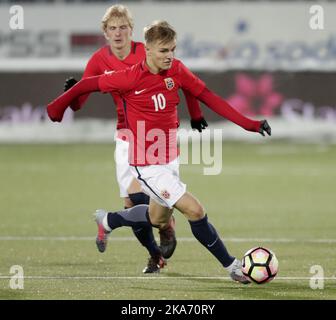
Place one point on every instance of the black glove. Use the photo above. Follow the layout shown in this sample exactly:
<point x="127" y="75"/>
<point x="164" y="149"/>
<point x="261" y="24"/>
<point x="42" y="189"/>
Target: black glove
<point x="265" y="127"/>
<point x="198" y="124"/>
<point x="70" y="82"/>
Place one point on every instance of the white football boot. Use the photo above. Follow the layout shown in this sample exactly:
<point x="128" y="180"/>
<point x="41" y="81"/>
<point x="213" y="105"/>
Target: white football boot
<point x="103" y="233"/>
<point x="236" y="274"/>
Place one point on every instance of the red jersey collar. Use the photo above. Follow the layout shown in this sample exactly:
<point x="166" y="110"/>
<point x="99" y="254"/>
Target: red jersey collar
<point x="145" y="68"/>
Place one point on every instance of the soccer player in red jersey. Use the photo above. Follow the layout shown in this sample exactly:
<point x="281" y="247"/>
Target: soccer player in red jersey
<point x="121" y="53"/>
<point x="149" y="90"/>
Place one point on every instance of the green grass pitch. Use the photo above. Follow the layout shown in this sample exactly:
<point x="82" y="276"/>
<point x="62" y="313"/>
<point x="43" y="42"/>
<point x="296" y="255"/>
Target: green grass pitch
<point x="277" y="195"/>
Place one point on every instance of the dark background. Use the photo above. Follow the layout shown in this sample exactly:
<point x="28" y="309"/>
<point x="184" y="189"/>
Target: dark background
<point x="38" y="89"/>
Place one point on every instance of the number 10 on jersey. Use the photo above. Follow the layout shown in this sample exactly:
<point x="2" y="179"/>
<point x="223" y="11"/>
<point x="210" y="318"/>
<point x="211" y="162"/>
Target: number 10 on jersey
<point x="159" y="101"/>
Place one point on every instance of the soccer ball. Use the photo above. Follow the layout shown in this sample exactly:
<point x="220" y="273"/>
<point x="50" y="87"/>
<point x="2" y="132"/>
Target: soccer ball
<point x="260" y="265"/>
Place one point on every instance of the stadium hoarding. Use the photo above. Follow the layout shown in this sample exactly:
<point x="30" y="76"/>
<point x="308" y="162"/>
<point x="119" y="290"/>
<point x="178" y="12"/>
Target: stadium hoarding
<point x="288" y="95"/>
<point x="241" y="35"/>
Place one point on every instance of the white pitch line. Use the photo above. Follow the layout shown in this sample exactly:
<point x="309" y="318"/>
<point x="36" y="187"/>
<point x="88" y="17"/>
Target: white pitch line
<point x="182" y="239"/>
<point x="151" y="278"/>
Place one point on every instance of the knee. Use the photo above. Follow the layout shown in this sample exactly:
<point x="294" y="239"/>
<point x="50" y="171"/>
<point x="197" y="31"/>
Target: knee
<point x="195" y="212"/>
<point x="159" y="222"/>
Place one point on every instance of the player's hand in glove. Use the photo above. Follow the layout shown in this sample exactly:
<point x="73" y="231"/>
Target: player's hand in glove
<point x="56" y="112"/>
<point x="264" y="126"/>
<point x="70" y="82"/>
<point x="199" y="124"/>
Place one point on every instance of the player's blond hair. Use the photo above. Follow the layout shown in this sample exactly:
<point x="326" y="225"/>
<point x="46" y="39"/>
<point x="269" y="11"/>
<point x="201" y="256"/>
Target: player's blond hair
<point x="117" y="11"/>
<point x="159" y="30"/>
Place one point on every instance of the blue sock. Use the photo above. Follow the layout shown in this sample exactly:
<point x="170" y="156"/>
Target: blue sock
<point x="136" y="217"/>
<point x="146" y="238"/>
<point x="206" y="234"/>
<point x="139" y="198"/>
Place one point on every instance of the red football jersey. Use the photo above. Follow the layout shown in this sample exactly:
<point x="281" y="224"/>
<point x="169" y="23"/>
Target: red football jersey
<point x="150" y="104"/>
<point x="104" y="61"/>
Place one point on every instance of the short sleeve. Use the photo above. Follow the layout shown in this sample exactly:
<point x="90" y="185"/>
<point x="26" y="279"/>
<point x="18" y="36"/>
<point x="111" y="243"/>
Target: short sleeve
<point x="189" y="81"/>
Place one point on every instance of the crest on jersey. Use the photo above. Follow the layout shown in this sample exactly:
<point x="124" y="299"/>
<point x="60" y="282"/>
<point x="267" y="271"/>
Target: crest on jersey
<point x="169" y="83"/>
<point x="165" y="194"/>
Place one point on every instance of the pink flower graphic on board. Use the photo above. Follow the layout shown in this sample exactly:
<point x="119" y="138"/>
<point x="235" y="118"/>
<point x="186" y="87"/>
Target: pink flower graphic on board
<point x="255" y="96"/>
